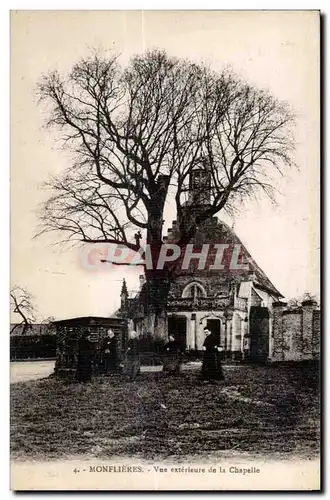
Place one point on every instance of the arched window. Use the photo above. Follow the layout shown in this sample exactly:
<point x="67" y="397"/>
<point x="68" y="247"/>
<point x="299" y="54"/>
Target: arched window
<point x="193" y="291"/>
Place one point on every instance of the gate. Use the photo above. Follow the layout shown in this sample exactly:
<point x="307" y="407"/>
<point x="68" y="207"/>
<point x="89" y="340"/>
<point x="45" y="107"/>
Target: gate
<point x="259" y="332"/>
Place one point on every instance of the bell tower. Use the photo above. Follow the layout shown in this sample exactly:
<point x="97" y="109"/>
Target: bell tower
<point x="199" y="186"/>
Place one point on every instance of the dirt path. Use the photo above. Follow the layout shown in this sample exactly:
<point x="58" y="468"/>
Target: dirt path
<point x="23" y="371"/>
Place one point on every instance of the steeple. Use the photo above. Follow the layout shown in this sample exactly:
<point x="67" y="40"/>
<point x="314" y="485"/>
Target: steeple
<point x="124" y="294"/>
<point x="199" y="197"/>
<point x="200" y="185"/>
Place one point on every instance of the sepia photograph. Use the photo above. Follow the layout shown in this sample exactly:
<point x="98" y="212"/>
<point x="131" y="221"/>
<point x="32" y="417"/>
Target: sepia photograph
<point x="165" y="302"/>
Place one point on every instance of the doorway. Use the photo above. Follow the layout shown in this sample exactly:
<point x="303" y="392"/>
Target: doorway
<point x="214" y="325"/>
<point x="177" y="326"/>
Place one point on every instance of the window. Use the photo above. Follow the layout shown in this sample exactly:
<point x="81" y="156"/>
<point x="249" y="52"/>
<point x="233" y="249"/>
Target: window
<point x="200" y="179"/>
<point x="194" y="291"/>
<point x="197" y="176"/>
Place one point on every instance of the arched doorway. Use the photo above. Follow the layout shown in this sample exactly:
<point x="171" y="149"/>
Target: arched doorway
<point x="177" y="326"/>
<point x="214" y="325"/>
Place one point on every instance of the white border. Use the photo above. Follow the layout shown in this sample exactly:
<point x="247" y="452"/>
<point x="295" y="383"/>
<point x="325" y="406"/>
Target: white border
<point x="4" y="195"/>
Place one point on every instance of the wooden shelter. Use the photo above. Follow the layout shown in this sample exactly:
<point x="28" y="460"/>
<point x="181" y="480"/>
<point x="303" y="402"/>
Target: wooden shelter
<point x="70" y="331"/>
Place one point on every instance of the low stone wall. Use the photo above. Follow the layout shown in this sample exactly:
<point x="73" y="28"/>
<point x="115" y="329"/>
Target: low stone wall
<point x="296" y="332"/>
<point x="29" y="347"/>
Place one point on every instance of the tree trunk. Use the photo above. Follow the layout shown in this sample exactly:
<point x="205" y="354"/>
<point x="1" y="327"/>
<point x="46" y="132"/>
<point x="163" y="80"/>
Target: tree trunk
<point x="157" y="285"/>
<point x="26" y="326"/>
<point x="157" y="291"/>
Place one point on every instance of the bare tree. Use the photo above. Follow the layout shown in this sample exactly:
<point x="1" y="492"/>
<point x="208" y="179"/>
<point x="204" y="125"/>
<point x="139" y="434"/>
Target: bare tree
<point x="309" y="297"/>
<point x="296" y="303"/>
<point x="135" y="135"/>
<point x="22" y="304"/>
<point x="48" y="325"/>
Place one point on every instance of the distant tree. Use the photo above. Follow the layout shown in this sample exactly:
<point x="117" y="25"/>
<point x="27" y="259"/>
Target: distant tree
<point x="293" y="304"/>
<point x="49" y="324"/>
<point x="135" y="135"/>
<point x="296" y="303"/>
<point x="22" y="304"/>
<point x="309" y="296"/>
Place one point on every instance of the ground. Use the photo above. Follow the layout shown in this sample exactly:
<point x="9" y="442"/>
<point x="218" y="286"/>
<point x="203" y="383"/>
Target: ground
<point x="258" y="409"/>
<point x="21" y="371"/>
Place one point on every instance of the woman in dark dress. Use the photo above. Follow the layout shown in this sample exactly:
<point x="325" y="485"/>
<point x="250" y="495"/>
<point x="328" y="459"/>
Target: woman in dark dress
<point x="111" y="356"/>
<point x="132" y="357"/>
<point x="211" y="368"/>
<point x="173" y="356"/>
<point x="84" y="365"/>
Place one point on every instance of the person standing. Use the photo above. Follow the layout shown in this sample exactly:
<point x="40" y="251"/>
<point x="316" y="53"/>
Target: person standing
<point x="84" y="362"/>
<point x="173" y="356"/>
<point x="219" y="373"/>
<point x="132" y="357"/>
<point x="111" y="355"/>
<point x="246" y="346"/>
<point x="211" y="368"/>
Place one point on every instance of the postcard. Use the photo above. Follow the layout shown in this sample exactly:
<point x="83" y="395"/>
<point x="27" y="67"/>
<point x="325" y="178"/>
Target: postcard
<point x="165" y="250"/>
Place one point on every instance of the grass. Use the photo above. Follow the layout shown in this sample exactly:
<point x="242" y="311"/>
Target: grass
<point x="257" y="409"/>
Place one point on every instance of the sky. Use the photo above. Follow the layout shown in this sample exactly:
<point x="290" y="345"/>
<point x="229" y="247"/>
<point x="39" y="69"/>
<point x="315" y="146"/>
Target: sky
<point x="277" y="51"/>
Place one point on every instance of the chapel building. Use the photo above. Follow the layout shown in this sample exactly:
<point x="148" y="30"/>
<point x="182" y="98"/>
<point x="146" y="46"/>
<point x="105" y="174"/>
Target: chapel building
<point x="234" y="301"/>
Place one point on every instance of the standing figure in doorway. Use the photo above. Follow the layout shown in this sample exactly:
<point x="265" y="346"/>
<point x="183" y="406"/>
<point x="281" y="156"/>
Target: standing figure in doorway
<point x="173" y="356"/>
<point x="84" y="366"/>
<point x="132" y="357"/>
<point x="111" y="355"/>
<point x="211" y="368"/>
<point x="246" y="346"/>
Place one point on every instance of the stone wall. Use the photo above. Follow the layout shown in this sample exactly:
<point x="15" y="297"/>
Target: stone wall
<point x="295" y="333"/>
<point x="317" y="336"/>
